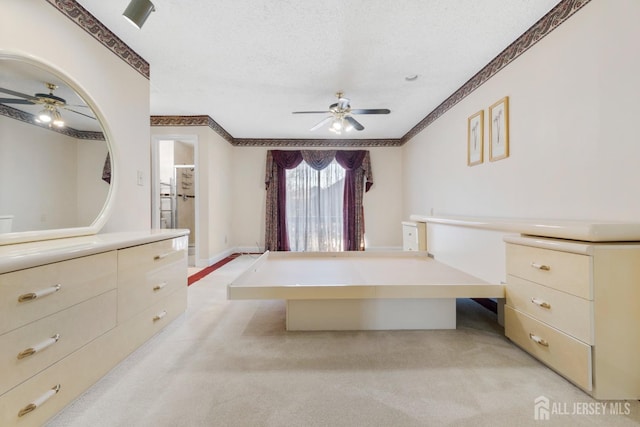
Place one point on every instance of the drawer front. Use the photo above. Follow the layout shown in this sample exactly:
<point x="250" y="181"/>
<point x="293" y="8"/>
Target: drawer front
<point x="79" y="279"/>
<point x="563" y="353"/>
<point x="139" y="259"/>
<point x="143" y="289"/>
<point x="410" y="238"/>
<point x="74" y="374"/>
<point x="564" y="271"/>
<point x="28" y="350"/>
<point x="147" y="323"/>
<point x="568" y="313"/>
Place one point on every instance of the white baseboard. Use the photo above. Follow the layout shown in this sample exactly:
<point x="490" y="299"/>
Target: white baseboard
<point x="218" y="257"/>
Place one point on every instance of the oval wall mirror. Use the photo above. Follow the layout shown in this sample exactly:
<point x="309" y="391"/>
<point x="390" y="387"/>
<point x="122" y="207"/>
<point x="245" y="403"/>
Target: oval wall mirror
<point x="55" y="156"/>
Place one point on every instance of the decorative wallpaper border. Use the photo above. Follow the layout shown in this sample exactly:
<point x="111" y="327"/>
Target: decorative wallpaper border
<point x="263" y="142"/>
<point x="201" y="120"/>
<point x="23" y="116"/>
<point x="267" y="142"/>
<point x="81" y="16"/>
<point x="552" y="20"/>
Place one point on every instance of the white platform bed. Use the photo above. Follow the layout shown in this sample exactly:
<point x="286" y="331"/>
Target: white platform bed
<point x="360" y="290"/>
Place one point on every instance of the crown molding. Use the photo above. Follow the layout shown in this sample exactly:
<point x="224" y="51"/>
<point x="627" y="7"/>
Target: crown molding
<point x="23" y="116"/>
<point x="81" y="16"/>
<point x="545" y="25"/>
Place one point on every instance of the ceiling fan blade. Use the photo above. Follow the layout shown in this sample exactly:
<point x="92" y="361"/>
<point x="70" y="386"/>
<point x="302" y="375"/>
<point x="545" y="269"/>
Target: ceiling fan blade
<point x="371" y="111"/>
<point x="310" y="112"/>
<point x="78" y="112"/>
<point x="18" y="94"/>
<point x="322" y="123"/>
<point x="15" y="101"/>
<point x="354" y="123"/>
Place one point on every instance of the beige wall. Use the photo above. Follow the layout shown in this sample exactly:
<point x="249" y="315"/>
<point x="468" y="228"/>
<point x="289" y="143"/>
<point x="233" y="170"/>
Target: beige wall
<point x="382" y="203"/>
<point x="213" y="161"/>
<point x="573" y="130"/>
<point x="119" y="93"/>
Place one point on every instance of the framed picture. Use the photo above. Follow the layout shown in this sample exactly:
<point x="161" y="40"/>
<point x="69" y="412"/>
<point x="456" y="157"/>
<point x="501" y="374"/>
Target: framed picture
<point x="475" y="138"/>
<point x="499" y="130"/>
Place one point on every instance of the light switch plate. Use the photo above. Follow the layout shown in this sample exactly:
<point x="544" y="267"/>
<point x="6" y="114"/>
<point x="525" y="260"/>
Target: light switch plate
<point x="140" y="178"/>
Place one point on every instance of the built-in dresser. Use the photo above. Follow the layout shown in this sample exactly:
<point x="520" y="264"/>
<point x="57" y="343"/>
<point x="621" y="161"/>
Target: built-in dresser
<point x="576" y="307"/>
<point x="71" y="309"/>
<point x="572" y="293"/>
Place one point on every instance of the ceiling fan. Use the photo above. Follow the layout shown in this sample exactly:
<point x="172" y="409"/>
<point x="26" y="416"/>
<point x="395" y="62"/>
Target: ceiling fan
<point x="341" y="118"/>
<point x="50" y="102"/>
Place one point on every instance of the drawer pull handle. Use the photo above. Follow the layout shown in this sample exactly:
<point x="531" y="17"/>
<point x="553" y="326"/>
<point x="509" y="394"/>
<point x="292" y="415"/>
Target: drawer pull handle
<point x="39" y="347"/>
<point x="539" y="340"/>
<point x="39" y="401"/>
<point x="540" y="266"/>
<point x="161" y="256"/>
<point x="30" y="296"/>
<point x="540" y="303"/>
<point x="159" y="286"/>
<point x="159" y="315"/>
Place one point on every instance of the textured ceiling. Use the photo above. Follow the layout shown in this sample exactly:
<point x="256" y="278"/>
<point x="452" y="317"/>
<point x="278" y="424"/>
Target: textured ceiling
<point x="249" y="64"/>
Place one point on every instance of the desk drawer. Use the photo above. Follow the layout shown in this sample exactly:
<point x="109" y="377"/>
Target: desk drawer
<point x="564" y="271"/>
<point x="563" y="353"/>
<point x="568" y="313"/>
<point x="73" y="328"/>
<point x="79" y="280"/>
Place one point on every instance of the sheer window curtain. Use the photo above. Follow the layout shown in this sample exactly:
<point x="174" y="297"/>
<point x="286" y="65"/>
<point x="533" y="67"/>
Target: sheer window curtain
<point x="314" y="207"/>
<point x="358" y="180"/>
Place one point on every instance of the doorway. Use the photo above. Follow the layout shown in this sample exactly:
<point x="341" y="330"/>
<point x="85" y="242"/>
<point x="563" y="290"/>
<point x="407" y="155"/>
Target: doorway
<point x="174" y="191"/>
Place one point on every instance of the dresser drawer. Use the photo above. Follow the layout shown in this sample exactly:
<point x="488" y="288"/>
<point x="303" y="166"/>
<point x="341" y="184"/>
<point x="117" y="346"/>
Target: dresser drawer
<point x="147" y="323"/>
<point x="27" y="350"/>
<point x="139" y="291"/>
<point x="568" y="313"/>
<point x="135" y="261"/>
<point x="563" y="353"/>
<point x="410" y="238"/>
<point x="73" y="374"/>
<point x="564" y="271"/>
<point x="76" y="280"/>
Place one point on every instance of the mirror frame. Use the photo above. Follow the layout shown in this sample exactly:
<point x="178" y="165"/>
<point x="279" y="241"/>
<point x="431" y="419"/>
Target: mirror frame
<point x="105" y="212"/>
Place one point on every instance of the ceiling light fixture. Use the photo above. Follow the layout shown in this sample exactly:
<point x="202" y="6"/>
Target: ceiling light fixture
<point x="51" y="116"/>
<point x="138" y="11"/>
<point x="411" y="78"/>
<point x="45" y="116"/>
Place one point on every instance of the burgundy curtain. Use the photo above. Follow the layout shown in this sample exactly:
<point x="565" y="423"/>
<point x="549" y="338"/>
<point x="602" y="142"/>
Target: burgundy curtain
<point x="352" y="211"/>
<point x="278" y="161"/>
<point x="358" y="180"/>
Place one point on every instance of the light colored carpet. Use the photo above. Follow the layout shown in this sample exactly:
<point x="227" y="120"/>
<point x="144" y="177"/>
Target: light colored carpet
<point x="231" y="363"/>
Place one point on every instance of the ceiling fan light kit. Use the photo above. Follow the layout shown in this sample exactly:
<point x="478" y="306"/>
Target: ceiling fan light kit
<point x="138" y="11"/>
<point x="341" y="118"/>
<point x="50" y="114"/>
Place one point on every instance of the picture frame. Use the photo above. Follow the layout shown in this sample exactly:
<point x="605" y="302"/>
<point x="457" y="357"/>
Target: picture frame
<point x="499" y="130"/>
<point x="475" y="139"/>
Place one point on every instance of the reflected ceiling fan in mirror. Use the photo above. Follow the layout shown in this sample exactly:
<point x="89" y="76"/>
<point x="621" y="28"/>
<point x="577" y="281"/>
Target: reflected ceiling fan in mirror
<point x="51" y="103"/>
<point x="341" y="119"/>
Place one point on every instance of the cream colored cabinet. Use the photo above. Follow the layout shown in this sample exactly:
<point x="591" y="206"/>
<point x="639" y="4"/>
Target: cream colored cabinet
<point x="414" y="236"/>
<point x="573" y="305"/>
<point x="64" y="324"/>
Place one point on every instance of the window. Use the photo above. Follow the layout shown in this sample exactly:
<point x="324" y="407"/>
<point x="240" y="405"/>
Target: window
<point x="315" y="208"/>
